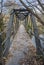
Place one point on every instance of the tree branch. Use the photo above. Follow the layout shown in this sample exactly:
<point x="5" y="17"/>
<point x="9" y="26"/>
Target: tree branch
<point x="32" y="12"/>
<point x="30" y="4"/>
<point x="40" y="4"/>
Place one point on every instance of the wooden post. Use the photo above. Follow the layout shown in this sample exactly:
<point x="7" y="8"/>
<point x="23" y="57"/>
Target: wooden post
<point x="16" y="24"/>
<point x="37" y="40"/>
<point x="26" y="21"/>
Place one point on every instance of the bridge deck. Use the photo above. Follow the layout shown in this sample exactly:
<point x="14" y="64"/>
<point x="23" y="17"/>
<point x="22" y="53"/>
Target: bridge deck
<point x="19" y="47"/>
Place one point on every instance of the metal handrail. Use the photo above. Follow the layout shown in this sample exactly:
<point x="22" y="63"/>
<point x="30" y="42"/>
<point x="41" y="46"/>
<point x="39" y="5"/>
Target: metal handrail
<point x="4" y="41"/>
<point x="4" y="31"/>
<point x="6" y="38"/>
<point x="42" y="39"/>
<point x="36" y="37"/>
<point x="41" y="49"/>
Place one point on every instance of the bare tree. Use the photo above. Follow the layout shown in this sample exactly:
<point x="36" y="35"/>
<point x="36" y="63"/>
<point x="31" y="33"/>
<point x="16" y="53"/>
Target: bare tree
<point x="1" y="4"/>
<point x="31" y="4"/>
<point x="40" y="20"/>
<point x="40" y="4"/>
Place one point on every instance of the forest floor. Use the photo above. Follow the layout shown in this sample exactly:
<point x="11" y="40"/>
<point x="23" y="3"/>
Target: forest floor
<point x="22" y="51"/>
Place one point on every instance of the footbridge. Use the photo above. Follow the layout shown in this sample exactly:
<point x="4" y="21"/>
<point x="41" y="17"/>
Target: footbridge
<point x="17" y="39"/>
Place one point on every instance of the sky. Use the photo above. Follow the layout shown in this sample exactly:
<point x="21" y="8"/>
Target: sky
<point x="23" y="0"/>
<point x="17" y="1"/>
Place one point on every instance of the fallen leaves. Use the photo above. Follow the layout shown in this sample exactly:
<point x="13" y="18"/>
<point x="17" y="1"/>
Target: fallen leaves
<point x="31" y="57"/>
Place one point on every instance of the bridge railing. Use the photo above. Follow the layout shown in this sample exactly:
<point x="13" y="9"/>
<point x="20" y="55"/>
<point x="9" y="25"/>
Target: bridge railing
<point x="39" y="48"/>
<point x="9" y="31"/>
<point x="6" y="43"/>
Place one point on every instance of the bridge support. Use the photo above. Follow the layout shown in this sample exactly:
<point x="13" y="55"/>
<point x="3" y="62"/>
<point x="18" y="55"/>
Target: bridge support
<point x="37" y="40"/>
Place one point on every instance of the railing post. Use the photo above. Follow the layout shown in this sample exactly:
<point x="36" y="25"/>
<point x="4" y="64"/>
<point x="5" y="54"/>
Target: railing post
<point x="8" y="34"/>
<point x="37" y="40"/>
<point x="16" y="24"/>
<point x="26" y="21"/>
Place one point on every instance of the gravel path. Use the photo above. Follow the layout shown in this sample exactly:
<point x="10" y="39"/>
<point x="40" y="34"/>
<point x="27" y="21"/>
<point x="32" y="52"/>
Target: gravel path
<point x="19" y="47"/>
